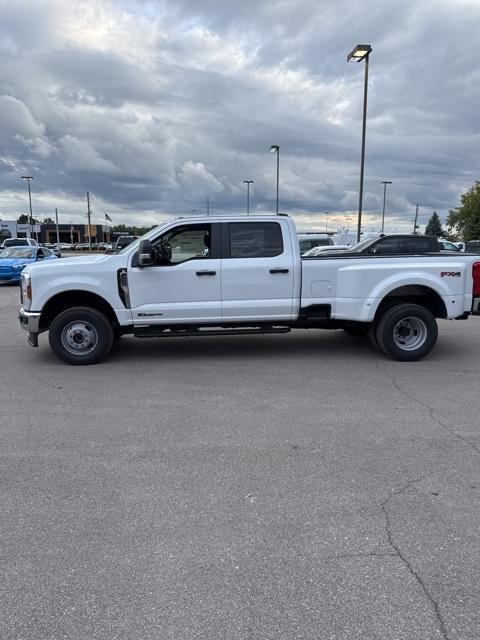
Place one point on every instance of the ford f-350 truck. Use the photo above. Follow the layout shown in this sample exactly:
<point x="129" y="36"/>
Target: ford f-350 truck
<point x="242" y="275"/>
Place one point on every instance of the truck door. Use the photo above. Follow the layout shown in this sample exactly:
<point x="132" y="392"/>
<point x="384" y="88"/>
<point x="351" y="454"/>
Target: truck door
<point x="257" y="271"/>
<point x="184" y="283"/>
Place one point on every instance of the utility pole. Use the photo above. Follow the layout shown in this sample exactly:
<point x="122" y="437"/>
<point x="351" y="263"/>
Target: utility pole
<point x="416" y="218"/>
<point x="208" y="206"/>
<point x="56" y="223"/>
<point x="89" y="230"/>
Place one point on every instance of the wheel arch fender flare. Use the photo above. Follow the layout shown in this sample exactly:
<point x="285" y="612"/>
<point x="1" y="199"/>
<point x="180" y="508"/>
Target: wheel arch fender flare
<point x="63" y="300"/>
<point x="429" y="292"/>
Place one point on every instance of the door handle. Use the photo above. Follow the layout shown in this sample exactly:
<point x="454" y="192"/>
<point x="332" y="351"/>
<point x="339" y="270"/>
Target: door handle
<point x="206" y="273"/>
<point x="278" y="270"/>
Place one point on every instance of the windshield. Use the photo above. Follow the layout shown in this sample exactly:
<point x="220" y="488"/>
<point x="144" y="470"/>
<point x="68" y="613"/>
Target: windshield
<point x="18" y="252"/>
<point x="363" y="244"/>
<point x="15" y="242"/>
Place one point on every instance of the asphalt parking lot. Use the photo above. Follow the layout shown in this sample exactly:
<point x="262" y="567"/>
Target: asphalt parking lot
<point x="247" y="488"/>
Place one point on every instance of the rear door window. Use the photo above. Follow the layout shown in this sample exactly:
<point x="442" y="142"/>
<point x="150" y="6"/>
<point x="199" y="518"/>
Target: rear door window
<point x="417" y="245"/>
<point x="255" y="239"/>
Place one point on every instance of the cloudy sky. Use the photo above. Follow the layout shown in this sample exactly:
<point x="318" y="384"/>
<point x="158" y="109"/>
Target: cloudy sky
<point x="153" y="106"/>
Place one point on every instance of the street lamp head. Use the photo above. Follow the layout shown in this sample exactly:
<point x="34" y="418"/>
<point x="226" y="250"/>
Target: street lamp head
<point x="386" y="182"/>
<point x="248" y="182"/>
<point x="274" y="148"/>
<point x="27" y="177"/>
<point x="360" y="52"/>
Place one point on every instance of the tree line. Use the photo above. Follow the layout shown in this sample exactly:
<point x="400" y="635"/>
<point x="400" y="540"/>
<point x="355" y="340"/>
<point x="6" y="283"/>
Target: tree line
<point x="463" y="222"/>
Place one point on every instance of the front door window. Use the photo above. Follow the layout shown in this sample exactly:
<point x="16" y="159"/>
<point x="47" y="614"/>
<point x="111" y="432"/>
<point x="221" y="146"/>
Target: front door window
<point x="189" y="242"/>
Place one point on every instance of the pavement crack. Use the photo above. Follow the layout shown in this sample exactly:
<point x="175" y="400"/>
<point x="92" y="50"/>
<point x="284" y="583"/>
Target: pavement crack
<point x="364" y="554"/>
<point x="429" y="408"/>
<point x="395" y="546"/>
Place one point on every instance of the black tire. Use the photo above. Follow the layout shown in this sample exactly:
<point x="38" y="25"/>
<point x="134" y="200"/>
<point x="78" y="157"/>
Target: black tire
<point x="406" y="332"/>
<point x="81" y="335"/>
<point x="372" y="334"/>
<point x="360" y="329"/>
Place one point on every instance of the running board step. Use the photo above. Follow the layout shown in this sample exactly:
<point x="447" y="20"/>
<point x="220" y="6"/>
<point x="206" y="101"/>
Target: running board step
<point x="157" y="332"/>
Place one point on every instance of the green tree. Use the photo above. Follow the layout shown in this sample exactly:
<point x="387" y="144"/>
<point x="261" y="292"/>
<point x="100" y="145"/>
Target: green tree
<point x="23" y="219"/>
<point x="131" y="230"/>
<point x="434" y="226"/>
<point x="48" y="221"/>
<point x="465" y="219"/>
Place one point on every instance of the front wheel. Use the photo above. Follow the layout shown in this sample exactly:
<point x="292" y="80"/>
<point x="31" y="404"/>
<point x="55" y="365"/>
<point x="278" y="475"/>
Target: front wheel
<point x="81" y="336"/>
<point x="407" y="332"/>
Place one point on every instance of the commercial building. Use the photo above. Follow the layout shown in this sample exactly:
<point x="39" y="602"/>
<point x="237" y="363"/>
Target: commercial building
<point x="71" y="233"/>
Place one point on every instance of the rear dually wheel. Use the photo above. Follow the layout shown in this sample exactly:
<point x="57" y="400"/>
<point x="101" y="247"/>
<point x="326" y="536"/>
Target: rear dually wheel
<point x="406" y="332"/>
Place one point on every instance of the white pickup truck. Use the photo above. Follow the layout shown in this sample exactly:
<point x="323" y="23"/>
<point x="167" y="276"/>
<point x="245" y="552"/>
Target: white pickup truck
<point x="242" y="275"/>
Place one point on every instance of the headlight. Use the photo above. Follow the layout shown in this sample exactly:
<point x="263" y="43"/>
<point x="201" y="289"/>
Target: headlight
<point x="26" y="291"/>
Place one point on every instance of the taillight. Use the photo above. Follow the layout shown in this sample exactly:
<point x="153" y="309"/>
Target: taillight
<point x="476" y="279"/>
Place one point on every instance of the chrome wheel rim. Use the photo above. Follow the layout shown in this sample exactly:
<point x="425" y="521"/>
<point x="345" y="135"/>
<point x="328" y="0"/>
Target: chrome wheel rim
<point x="79" y="338"/>
<point x="410" y="334"/>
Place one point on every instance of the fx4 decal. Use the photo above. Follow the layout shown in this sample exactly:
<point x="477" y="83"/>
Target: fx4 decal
<point x="450" y="274"/>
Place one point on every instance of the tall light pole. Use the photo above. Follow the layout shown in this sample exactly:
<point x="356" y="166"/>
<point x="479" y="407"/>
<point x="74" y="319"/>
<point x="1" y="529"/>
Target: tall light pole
<point x="276" y="149"/>
<point x="384" y="182"/>
<point x="248" y="183"/>
<point x="327" y="213"/>
<point x="359" y="53"/>
<point x="28" y="178"/>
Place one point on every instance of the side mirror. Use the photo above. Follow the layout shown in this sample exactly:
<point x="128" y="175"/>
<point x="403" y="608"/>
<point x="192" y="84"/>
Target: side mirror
<point x="145" y="254"/>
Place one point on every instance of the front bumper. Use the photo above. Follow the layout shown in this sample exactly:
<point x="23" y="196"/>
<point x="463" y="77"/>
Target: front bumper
<point x="30" y="321"/>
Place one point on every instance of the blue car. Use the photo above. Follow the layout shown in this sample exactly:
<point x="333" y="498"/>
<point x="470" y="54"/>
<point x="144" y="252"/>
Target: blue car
<point x="14" y="260"/>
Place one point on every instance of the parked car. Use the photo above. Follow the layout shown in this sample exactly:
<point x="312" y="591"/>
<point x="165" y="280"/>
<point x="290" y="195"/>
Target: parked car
<point x="123" y="241"/>
<point x="308" y="240"/>
<point x="55" y="248"/>
<point x="446" y="245"/>
<point x="18" y="242"/>
<point x="473" y="246"/>
<point x="398" y="244"/>
<point x="316" y="251"/>
<point x="14" y="260"/>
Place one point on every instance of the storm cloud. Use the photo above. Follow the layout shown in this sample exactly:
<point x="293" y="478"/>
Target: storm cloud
<point x="153" y="106"/>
